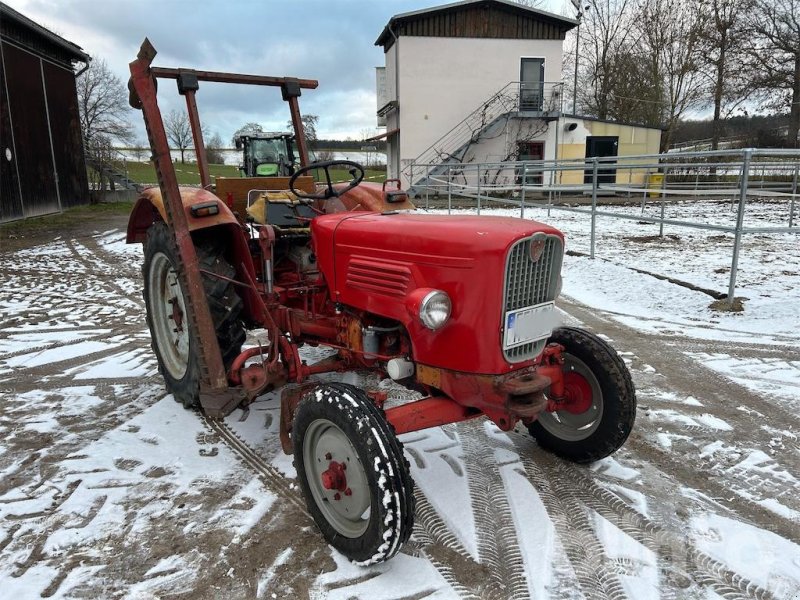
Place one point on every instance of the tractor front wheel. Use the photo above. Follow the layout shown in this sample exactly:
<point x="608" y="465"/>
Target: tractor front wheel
<point x="354" y="476"/>
<point x="599" y="408"/>
<point x="176" y="349"/>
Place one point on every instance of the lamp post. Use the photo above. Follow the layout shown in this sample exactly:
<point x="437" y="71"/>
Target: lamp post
<point x="581" y="10"/>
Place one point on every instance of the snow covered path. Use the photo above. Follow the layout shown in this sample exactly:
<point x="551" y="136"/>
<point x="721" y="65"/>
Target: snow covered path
<point x="108" y="488"/>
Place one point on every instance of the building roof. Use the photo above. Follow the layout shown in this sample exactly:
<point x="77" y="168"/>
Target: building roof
<point x="386" y="38"/>
<point x="67" y="49"/>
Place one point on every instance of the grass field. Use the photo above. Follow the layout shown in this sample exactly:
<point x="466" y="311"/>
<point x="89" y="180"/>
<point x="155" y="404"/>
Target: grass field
<point x="143" y="172"/>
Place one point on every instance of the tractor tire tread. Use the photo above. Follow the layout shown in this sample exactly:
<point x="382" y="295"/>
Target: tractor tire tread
<point x="372" y="547"/>
<point x="224" y="304"/>
<point x="619" y="398"/>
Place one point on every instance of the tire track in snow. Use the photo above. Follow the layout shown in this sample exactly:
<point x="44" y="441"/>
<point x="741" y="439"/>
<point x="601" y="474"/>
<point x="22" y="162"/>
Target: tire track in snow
<point x="62" y="343"/>
<point x="664" y="543"/>
<point x="686" y="473"/>
<point x="685" y="376"/>
<point x="682" y="376"/>
<point x="81" y="297"/>
<point x="57" y="367"/>
<point x="595" y="571"/>
<point x="442" y="548"/>
<point x="496" y="533"/>
<point x="269" y="475"/>
<point x="85" y="253"/>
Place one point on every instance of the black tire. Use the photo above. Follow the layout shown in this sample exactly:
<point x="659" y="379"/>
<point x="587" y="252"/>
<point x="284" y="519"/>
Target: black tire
<point x="180" y="366"/>
<point x="604" y="426"/>
<point x="340" y="421"/>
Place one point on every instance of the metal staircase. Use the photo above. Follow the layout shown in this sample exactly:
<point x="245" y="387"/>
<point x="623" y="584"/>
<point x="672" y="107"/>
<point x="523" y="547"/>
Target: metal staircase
<point x="514" y="100"/>
<point x="106" y="164"/>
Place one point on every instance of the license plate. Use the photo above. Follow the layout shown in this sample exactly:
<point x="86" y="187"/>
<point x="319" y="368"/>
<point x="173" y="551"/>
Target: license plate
<point x="529" y="324"/>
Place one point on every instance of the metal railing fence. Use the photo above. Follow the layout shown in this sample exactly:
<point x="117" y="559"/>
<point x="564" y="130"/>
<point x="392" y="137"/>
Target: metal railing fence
<point x="726" y="174"/>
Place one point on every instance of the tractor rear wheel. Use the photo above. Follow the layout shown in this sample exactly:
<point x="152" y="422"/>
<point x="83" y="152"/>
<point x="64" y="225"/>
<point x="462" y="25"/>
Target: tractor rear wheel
<point x="176" y="349"/>
<point x="600" y="405"/>
<point x="354" y="476"/>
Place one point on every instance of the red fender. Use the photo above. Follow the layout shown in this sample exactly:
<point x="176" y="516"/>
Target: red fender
<point x="149" y="208"/>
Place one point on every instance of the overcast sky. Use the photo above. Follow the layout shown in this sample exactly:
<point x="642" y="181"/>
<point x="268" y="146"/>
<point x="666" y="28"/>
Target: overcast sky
<point x="329" y="40"/>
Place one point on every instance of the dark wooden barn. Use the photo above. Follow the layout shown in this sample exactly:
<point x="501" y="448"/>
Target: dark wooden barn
<point x="42" y="167"/>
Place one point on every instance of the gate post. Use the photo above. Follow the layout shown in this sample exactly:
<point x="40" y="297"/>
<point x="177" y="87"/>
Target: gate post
<point x="739" y="221"/>
<point x="449" y="190"/>
<point x="427" y="184"/>
<point x="794" y="194"/>
<point x="479" y="189"/>
<point x="594" y="206"/>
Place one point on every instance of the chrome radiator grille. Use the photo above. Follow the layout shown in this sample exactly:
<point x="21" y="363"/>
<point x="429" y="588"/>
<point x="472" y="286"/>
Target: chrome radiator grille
<point x="529" y="283"/>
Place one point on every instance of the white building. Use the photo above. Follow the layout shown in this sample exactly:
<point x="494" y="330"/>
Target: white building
<point x="480" y="81"/>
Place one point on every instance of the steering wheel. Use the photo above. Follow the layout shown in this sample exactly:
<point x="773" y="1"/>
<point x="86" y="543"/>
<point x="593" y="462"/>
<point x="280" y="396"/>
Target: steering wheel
<point x="355" y="169"/>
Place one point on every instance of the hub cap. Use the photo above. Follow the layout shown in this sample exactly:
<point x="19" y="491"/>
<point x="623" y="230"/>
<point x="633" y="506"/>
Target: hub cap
<point x="336" y="478"/>
<point x="582" y="410"/>
<point x="168" y="308"/>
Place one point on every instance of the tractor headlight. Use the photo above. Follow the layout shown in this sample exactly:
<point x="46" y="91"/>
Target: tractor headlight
<point x="434" y="310"/>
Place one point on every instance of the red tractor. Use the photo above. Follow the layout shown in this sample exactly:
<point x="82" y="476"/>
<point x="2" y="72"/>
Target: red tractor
<point x="458" y="308"/>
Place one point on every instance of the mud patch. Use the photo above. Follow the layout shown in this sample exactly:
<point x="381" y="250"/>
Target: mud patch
<point x="723" y="305"/>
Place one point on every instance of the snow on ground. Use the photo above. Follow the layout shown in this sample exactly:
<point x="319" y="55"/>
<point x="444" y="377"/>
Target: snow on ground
<point x="110" y="489"/>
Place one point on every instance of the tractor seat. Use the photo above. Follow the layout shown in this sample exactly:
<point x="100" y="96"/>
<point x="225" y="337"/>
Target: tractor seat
<point x="282" y="210"/>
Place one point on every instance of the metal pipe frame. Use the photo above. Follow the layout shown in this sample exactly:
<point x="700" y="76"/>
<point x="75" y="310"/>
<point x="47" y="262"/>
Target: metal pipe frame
<point x="215" y="395"/>
<point x="790" y="166"/>
<point x="243" y="79"/>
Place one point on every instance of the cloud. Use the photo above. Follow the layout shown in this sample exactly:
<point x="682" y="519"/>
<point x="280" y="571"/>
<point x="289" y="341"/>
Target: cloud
<point x="328" y="40"/>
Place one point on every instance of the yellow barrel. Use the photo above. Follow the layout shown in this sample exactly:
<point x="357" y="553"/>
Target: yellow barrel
<point x="655" y="181"/>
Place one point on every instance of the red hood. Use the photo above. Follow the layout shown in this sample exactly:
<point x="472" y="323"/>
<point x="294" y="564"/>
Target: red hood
<point x="374" y="261"/>
<point x="430" y="235"/>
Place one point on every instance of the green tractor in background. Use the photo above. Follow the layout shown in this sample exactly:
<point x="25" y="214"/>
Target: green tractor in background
<point x="267" y="154"/>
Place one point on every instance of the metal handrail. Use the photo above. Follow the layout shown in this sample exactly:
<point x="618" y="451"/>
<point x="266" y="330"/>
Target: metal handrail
<point x="511" y="98"/>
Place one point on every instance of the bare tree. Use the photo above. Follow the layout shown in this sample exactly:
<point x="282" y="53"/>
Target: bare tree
<point x="214" y="150"/>
<point x="670" y="35"/>
<point x="309" y="128"/>
<point x="369" y="148"/>
<point x="179" y="131"/>
<point x="246" y="129"/>
<point x="775" y="51"/>
<point x="636" y="95"/>
<point x="140" y="150"/>
<point x="103" y="104"/>
<point x="640" y="61"/>
<point x="608" y="32"/>
<point x="723" y="41"/>
<point x="103" y="110"/>
<point x="100" y="157"/>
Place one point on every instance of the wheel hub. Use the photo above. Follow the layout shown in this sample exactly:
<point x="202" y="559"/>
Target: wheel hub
<point x="577" y="393"/>
<point x="334" y="478"/>
<point x="575" y="415"/>
<point x="177" y="314"/>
